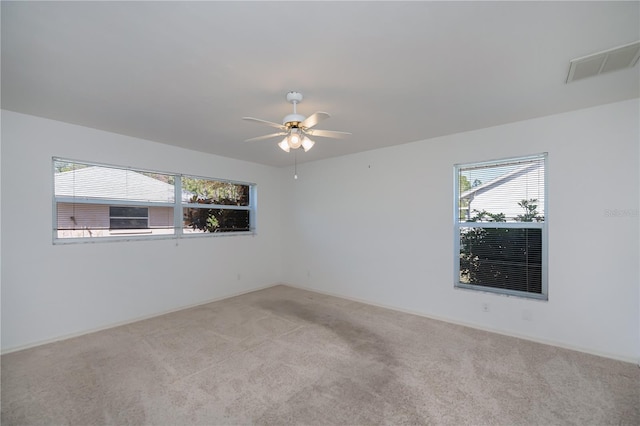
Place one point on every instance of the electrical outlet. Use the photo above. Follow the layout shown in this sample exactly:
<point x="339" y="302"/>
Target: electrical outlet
<point x="485" y="307"/>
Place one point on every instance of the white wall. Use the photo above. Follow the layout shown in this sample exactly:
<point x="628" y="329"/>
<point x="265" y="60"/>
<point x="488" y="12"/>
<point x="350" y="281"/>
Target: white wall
<point x="50" y="291"/>
<point x="375" y="226"/>
<point x="378" y="226"/>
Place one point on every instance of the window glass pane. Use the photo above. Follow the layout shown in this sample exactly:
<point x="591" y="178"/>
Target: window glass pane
<point x="125" y="217"/>
<point x="208" y="191"/>
<point x="123" y="211"/>
<point x="101" y="182"/>
<point x="502" y="192"/>
<point x="215" y="220"/>
<point x="507" y="258"/>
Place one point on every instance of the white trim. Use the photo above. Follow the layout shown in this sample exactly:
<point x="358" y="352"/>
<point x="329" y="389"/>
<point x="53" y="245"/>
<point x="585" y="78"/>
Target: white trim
<point x="474" y="326"/>
<point x="217" y="234"/>
<point x="630" y="359"/>
<point x="131" y="321"/>
<point x="147" y="237"/>
<point x="215" y="206"/>
<point x="178" y="212"/>
<point x="502" y="225"/>
<point x="506" y="161"/>
<point x="137" y="169"/>
<point x="111" y="202"/>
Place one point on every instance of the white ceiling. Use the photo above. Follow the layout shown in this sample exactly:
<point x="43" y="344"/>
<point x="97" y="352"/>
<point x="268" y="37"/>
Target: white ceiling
<point x="184" y="73"/>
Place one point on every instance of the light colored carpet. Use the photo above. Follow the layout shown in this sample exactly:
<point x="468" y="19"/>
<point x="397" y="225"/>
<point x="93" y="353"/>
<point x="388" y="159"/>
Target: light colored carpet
<point x="288" y="356"/>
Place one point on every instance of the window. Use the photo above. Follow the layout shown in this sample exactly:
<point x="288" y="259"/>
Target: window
<point x="501" y="227"/>
<point x="215" y="206"/>
<point x="97" y="201"/>
<point x="122" y="217"/>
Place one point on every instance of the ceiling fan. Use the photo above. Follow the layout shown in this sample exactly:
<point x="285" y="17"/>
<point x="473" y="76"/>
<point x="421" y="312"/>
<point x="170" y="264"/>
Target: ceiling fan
<point x="297" y="128"/>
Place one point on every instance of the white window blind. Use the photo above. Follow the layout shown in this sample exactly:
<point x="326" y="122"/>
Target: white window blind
<point x="91" y="182"/>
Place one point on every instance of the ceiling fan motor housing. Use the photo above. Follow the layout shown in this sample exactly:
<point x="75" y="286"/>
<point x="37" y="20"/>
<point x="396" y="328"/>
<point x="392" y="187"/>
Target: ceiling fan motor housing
<point x="293" y="120"/>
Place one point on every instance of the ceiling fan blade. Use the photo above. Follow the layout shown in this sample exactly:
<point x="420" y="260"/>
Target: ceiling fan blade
<point x="272" y="135"/>
<point x="268" y="123"/>
<point x="328" y="133"/>
<point x="314" y="119"/>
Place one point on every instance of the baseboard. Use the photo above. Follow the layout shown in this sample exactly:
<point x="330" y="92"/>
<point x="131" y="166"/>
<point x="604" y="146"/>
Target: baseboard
<point x="131" y="321"/>
<point x="354" y="299"/>
<point x="562" y="345"/>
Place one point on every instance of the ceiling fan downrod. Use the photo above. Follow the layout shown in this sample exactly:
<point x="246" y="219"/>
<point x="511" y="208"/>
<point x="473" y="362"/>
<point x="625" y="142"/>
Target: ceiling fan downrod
<point x="293" y="120"/>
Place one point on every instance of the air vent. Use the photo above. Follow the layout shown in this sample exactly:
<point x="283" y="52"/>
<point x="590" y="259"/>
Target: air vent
<point x="608" y="60"/>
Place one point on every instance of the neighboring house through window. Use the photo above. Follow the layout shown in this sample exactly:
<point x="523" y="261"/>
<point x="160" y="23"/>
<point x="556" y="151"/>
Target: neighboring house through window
<point x="501" y="227"/>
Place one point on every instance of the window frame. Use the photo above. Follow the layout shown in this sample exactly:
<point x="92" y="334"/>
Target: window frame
<point x="543" y="226"/>
<point x="177" y="205"/>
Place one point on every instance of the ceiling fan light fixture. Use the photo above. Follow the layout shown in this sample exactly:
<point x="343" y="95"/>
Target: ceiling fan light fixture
<point x="284" y="145"/>
<point x="295" y="141"/>
<point x="307" y="144"/>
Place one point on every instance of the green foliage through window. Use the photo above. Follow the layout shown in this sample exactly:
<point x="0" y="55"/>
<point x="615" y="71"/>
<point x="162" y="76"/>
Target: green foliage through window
<point x="508" y="258"/>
